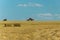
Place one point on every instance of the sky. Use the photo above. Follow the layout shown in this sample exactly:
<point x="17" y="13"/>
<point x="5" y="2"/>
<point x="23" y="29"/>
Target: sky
<point x="24" y="9"/>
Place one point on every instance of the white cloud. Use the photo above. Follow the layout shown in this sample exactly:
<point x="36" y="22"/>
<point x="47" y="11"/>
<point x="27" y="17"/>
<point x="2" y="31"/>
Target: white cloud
<point x="45" y="15"/>
<point x="57" y="15"/>
<point x="48" y="15"/>
<point x="24" y="5"/>
<point x="38" y="5"/>
<point x="31" y="5"/>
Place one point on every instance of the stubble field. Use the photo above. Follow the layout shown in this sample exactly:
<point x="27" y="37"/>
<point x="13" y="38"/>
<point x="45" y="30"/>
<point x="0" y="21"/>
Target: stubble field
<point x="30" y="30"/>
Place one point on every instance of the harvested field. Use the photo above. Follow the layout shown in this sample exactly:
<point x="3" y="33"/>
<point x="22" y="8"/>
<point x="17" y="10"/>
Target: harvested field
<point x="29" y="30"/>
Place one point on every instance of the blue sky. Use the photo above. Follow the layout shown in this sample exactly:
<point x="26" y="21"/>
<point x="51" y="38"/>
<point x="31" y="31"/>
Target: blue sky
<point x="36" y="9"/>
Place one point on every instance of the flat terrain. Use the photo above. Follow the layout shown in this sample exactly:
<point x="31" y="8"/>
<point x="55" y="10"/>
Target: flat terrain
<point x="30" y="30"/>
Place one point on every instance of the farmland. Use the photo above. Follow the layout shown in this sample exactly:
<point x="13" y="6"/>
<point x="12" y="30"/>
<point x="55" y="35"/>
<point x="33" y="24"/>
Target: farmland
<point x="29" y="30"/>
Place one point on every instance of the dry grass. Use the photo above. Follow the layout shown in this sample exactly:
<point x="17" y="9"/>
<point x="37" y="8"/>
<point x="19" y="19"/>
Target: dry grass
<point x="31" y="31"/>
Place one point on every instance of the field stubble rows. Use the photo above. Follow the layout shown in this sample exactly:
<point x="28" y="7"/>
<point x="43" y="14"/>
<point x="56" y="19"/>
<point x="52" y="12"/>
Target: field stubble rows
<point x="31" y="32"/>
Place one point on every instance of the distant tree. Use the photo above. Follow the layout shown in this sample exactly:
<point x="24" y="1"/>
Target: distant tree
<point x="30" y="19"/>
<point x="4" y="19"/>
